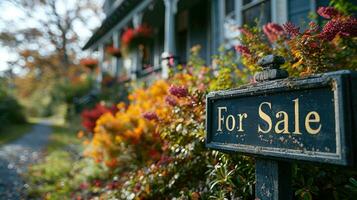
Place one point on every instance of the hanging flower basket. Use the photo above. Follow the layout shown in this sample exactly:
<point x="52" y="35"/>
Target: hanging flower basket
<point x="133" y="38"/>
<point x="89" y="63"/>
<point x="114" y="51"/>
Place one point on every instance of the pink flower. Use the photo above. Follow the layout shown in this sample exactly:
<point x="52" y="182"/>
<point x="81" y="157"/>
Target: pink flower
<point x="345" y="27"/>
<point x="245" y="32"/>
<point x="97" y="183"/>
<point x="313" y="28"/>
<point x="150" y="116"/>
<point x="328" y="12"/>
<point x="83" y="186"/>
<point x="243" y="50"/>
<point x="170" y="100"/>
<point x="178" y="91"/>
<point x="313" y="44"/>
<point x="291" y="29"/>
<point x="273" y="31"/>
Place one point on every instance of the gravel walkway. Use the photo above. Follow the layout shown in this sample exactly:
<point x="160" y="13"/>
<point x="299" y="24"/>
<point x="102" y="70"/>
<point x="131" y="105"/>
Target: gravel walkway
<point x="15" y="157"/>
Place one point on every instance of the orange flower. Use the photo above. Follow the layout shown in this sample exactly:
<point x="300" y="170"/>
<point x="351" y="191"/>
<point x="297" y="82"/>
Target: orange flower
<point x="80" y="134"/>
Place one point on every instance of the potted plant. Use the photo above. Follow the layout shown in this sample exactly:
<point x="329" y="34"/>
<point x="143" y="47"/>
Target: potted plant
<point x="133" y="38"/>
<point x="114" y="51"/>
<point x="89" y="63"/>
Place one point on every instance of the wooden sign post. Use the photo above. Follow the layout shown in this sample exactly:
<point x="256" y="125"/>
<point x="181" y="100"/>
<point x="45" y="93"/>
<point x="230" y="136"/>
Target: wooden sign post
<point x="278" y="121"/>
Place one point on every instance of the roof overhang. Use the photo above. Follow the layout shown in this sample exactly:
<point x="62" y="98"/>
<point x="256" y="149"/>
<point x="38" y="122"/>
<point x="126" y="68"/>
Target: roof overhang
<point x="116" y="20"/>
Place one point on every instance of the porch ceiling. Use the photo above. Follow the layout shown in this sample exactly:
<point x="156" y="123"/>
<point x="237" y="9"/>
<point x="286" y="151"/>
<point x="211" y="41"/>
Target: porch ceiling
<point x="111" y="20"/>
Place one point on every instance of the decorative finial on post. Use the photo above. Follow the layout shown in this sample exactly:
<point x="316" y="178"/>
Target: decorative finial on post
<point x="271" y="68"/>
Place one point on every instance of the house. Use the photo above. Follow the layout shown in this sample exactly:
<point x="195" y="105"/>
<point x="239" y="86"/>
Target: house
<point x="177" y="25"/>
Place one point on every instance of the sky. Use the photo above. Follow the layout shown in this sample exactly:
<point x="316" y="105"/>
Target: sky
<point x="9" y="11"/>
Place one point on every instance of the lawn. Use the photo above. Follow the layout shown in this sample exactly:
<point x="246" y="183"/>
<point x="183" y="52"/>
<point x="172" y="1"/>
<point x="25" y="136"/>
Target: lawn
<point x="64" y="136"/>
<point x="12" y="132"/>
<point x="62" y="170"/>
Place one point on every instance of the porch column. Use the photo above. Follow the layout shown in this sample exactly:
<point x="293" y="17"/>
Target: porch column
<point x="217" y="21"/>
<point x="116" y="60"/>
<point x="101" y="63"/>
<point x="169" y="47"/>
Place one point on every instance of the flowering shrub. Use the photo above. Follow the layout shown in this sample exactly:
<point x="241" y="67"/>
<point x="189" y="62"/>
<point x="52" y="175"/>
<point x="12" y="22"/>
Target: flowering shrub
<point x="165" y="124"/>
<point x="153" y="145"/>
<point x="90" y="116"/>
<point x="314" y="50"/>
<point x="128" y="126"/>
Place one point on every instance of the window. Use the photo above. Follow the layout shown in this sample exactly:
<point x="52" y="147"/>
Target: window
<point x="256" y="10"/>
<point x="229" y="7"/>
<point x="299" y="10"/>
<point x="146" y="56"/>
<point x="230" y="24"/>
<point x="181" y="36"/>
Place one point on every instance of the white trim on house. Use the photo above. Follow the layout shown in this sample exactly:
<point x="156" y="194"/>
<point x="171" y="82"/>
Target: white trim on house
<point x="217" y="19"/>
<point x="116" y="60"/>
<point x="101" y="55"/>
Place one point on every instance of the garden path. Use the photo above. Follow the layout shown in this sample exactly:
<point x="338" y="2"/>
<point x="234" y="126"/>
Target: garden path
<point x="16" y="156"/>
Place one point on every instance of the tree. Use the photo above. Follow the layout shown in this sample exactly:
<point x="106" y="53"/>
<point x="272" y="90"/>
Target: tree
<point x="48" y="34"/>
<point x="46" y="38"/>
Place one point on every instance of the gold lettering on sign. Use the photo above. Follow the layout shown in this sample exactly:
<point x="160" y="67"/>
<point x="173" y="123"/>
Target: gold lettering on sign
<point x="297" y="119"/>
<point x="284" y="121"/>
<point x="233" y="123"/>
<point x="220" y="117"/>
<point x="241" y="116"/>
<point x="315" y="119"/>
<point x="265" y="117"/>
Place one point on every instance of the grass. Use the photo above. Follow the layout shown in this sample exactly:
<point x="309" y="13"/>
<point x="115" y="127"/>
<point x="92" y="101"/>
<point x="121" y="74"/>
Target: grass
<point x="62" y="136"/>
<point x="12" y="132"/>
<point x="65" y="134"/>
<point x="61" y="172"/>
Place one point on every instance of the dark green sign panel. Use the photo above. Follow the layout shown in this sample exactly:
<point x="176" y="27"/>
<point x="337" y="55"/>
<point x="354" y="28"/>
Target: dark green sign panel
<point x="306" y="119"/>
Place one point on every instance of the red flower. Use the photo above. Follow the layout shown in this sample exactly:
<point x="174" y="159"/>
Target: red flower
<point x="89" y="62"/>
<point x="291" y="29"/>
<point x="170" y="100"/>
<point x="97" y="183"/>
<point x="154" y="154"/>
<point x="178" y="91"/>
<point x="114" y="51"/>
<point x="164" y="160"/>
<point x="83" y="186"/>
<point x="246" y="32"/>
<point x="328" y="12"/>
<point x="273" y="31"/>
<point x="127" y="36"/>
<point x="243" y="50"/>
<point x="313" y="44"/>
<point x="130" y="34"/>
<point x="112" y="185"/>
<point x="90" y="116"/>
<point x="143" y="30"/>
<point x="345" y="27"/>
<point x="150" y="116"/>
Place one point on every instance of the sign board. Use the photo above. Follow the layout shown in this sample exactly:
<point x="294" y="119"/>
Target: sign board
<point x="311" y="119"/>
